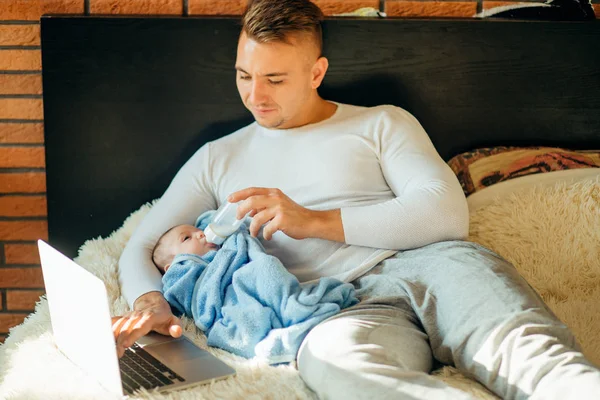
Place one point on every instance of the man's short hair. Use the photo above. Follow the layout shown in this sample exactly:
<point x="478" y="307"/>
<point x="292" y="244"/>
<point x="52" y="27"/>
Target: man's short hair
<point x="275" y="20"/>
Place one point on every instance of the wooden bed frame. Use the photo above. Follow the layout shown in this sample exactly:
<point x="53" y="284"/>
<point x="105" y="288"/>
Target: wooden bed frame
<point x="127" y="100"/>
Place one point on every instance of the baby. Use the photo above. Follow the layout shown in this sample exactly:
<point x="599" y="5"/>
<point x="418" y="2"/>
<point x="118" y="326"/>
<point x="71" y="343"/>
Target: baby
<point x="244" y="299"/>
<point x="180" y="239"/>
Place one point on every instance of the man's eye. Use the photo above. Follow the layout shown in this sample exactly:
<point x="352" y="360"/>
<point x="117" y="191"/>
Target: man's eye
<point x="244" y="78"/>
<point x="186" y="238"/>
<point x="275" y="82"/>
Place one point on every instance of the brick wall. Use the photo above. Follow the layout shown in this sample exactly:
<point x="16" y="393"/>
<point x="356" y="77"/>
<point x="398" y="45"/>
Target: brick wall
<point x="22" y="176"/>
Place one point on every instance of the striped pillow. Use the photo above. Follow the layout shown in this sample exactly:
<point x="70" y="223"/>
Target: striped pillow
<point x="480" y="168"/>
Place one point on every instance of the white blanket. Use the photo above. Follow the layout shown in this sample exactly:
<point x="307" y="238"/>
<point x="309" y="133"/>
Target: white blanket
<point x="551" y="234"/>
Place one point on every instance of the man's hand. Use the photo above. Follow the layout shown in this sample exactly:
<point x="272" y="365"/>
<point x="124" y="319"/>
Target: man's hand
<point x="275" y="210"/>
<point x="151" y="313"/>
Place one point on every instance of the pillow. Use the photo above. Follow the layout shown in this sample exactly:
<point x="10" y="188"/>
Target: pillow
<point x="480" y="168"/>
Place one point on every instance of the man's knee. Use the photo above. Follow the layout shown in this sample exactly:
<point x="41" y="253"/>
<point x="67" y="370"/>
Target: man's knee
<point x="347" y="352"/>
<point x="328" y="345"/>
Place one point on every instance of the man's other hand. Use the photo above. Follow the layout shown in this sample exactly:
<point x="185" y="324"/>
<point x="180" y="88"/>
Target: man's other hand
<point x="151" y="313"/>
<point x="273" y="209"/>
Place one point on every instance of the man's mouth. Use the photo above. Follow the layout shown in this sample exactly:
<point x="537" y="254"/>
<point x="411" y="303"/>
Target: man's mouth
<point x="263" y="111"/>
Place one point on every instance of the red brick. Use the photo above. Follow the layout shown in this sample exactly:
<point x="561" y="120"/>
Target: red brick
<point x="19" y="35"/>
<point x="174" y="7"/>
<point x="23" y="206"/>
<point x="221" y="7"/>
<point x="331" y="7"/>
<point x="21" y="254"/>
<point x="21" y="133"/>
<point x="237" y="7"/>
<point x="23" y="182"/>
<point x="21" y="109"/>
<point x="493" y="4"/>
<point x="458" y="9"/>
<point x="22" y="299"/>
<point x="32" y="9"/>
<point x="21" y="84"/>
<point x="62" y="6"/>
<point x="23" y="230"/>
<point x="21" y="278"/>
<point x="14" y="60"/>
<point x="596" y="10"/>
<point x="8" y="321"/>
<point x="22" y="157"/>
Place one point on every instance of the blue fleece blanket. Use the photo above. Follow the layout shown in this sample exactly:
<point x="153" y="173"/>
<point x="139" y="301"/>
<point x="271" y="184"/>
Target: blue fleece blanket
<point x="246" y="301"/>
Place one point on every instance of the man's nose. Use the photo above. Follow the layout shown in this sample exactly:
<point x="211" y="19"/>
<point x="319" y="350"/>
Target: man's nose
<point x="258" y="93"/>
<point x="199" y="235"/>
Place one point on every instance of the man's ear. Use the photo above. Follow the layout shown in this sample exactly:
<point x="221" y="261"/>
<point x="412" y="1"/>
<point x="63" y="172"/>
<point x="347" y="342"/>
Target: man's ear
<point x="318" y="71"/>
<point x="167" y="267"/>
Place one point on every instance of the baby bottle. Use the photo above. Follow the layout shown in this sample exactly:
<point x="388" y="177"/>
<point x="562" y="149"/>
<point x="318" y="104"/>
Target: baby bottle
<point x="223" y="223"/>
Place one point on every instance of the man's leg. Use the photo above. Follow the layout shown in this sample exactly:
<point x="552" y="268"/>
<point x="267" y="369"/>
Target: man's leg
<point x="483" y="317"/>
<point x="371" y="351"/>
<point x="479" y="315"/>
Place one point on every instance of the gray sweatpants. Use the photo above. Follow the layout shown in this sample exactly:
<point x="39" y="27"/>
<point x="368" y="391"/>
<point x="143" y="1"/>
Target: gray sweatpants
<point x="459" y="303"/>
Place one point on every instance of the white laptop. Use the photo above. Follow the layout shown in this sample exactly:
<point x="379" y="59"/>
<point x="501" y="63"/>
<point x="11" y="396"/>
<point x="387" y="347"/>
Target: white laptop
<point x="82" y="327"/>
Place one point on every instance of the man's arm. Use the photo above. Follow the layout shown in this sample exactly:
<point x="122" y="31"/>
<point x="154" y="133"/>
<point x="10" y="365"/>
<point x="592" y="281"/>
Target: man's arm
<point x="188" y="195"/>
<point x="328" y="225"/>
<point x="429" y="206"/>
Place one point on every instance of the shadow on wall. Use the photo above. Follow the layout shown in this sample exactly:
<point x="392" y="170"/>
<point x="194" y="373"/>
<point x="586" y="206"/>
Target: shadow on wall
<point x="553" y="10"/>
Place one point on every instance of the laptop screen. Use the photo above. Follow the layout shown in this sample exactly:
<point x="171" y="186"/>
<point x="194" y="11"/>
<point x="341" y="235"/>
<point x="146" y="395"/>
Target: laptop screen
<point x="80" y="317"/>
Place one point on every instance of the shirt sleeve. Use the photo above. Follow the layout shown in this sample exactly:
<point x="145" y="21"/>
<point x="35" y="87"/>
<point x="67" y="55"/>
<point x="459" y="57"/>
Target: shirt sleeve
<point x="429" y="206"/>
<point x="189" y="194"/>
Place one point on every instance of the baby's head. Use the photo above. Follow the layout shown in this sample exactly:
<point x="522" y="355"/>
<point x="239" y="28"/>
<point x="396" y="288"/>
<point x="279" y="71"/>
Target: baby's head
<point x="180" y="239"/>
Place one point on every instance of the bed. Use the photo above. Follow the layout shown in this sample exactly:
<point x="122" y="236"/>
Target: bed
<point x="128" y="99"/>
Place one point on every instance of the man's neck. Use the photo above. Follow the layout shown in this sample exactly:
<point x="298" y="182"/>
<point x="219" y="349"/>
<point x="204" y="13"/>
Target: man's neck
<point x="316" y="111"/>
<point x="325" y="110"/>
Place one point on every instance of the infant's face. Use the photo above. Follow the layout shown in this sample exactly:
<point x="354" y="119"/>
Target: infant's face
<point x="188" y="239"/>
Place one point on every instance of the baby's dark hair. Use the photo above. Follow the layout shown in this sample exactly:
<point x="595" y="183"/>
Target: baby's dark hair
<point x="160" y="258"/>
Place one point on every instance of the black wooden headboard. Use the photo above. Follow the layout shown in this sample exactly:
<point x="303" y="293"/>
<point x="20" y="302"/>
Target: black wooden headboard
<point x="128" y="99"/>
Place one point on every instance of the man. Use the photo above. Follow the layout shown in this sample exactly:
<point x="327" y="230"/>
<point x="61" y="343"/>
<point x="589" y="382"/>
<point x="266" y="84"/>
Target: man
<point x="362" y="195"/>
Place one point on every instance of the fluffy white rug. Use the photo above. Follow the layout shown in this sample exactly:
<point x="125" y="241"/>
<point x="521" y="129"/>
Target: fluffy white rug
<point x="550" y="234"/>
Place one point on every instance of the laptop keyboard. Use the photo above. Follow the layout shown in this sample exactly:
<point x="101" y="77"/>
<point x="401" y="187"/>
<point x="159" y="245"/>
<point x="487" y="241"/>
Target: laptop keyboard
<point x="141" y="370"/>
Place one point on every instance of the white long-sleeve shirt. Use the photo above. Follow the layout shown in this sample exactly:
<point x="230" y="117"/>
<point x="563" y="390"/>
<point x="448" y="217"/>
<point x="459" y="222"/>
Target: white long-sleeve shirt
<point x="376" y="164"/>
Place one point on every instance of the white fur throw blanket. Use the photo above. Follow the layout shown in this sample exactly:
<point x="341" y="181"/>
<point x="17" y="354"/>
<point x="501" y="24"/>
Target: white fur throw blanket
<point x="552" y="235"/>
